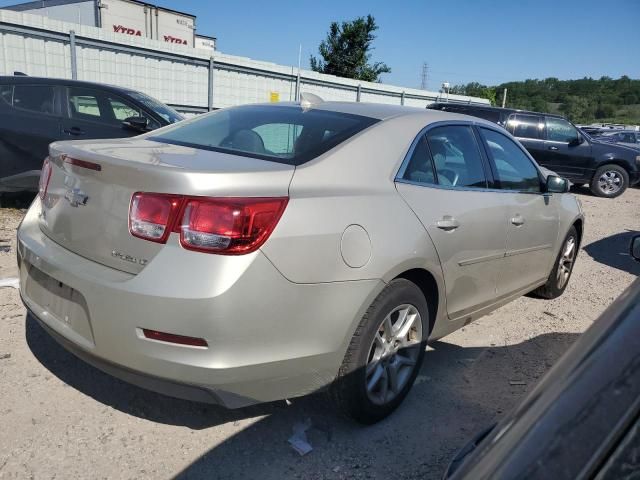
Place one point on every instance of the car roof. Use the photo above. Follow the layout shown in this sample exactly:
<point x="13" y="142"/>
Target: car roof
<point x="439" y="105"/>
<point x="381" y="111"/>
<point x="27" y="80"/>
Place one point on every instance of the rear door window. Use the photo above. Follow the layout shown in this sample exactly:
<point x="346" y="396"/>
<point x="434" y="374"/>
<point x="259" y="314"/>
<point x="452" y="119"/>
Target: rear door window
<point x="456" y="156"/>
<point x="515" y="170"/>
<point x="34" y="98"/>
<point x="525" y="126"/>
<point x="420" y="166"/>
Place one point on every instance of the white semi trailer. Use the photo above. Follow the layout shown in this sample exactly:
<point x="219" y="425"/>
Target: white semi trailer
<point x="125" y="17"/>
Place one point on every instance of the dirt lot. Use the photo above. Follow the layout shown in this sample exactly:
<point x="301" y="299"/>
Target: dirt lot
<point x="60" y="418"/>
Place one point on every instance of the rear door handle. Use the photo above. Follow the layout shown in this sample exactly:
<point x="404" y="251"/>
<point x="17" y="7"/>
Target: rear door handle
<point x="73" y="131"/>
<point x="517" y="220"/>
<point x="448" y="223"/>
<point x="553" y="148"/>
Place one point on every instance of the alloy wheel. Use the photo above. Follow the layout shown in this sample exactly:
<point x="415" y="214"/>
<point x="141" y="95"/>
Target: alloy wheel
<point x="565" y="264"/>
<point x="610" y="182"/>
<point x="393" y="354"/>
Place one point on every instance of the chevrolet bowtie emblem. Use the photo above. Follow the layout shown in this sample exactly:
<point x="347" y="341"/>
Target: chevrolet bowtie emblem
<point x="76" y="197"/>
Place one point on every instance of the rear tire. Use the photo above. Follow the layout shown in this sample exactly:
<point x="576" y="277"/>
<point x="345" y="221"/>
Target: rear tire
<point x="380" y="366"/>
<point x="609" y="181"/>
<point x="562" y="268"/>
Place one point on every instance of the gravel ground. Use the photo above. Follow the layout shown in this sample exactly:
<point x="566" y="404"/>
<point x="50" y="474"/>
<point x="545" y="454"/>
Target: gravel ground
<point x="60" y="418"/>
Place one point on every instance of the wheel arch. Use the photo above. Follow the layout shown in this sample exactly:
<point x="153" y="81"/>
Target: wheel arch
<point x="624" y="164"/>
<point x="428" y="285"/>
<point x="578" y="223"/>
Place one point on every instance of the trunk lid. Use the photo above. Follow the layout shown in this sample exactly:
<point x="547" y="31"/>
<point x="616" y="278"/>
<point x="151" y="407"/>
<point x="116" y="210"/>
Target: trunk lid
<point x="99" y="228"/>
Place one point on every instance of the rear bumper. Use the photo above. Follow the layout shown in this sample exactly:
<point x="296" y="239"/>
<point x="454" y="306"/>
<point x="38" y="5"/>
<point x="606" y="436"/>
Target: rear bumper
<point x="268" y="338"/>
<point x="185" y="391"/>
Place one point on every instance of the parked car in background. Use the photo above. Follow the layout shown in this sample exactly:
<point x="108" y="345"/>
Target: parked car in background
<point x="582" y="421"/>
<point x="37" y="111"/>
<point x="591" y="130"/>
<point x="629" y="138"/>
<point x="264" y="252"/>
<point x="558" y="145"/>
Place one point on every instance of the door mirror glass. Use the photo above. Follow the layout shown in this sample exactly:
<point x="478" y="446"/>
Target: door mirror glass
<point x="557" y="184"/>
<point x="138" y="124"/>
<point x="635" y="247"/>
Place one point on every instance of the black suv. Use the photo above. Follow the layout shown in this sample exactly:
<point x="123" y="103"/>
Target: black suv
<point x="558" y="145"/>
<point x="37" y="111"/>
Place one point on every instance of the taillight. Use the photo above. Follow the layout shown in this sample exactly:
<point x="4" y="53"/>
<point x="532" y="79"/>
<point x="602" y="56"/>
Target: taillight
<point x="229" y="226"/>
<point x="151" y="215"/>
<point x="45" y="176"/>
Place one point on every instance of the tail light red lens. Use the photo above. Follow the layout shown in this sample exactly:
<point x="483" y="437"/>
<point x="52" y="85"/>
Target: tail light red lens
<point x="151" y="215"/>
<point x="45" y="176"/>
<point x="229" y="226"/>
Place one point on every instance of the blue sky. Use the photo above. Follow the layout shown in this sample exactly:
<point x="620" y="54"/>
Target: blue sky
<point x="461" y="40"/>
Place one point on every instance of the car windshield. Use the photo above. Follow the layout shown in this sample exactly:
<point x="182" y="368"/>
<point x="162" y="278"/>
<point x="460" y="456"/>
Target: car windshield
<point x="285" y="134"/>
<point x="166" y="112"/>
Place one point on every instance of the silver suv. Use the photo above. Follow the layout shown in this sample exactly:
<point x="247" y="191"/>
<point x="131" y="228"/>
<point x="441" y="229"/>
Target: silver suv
<point x="265" y="252"/>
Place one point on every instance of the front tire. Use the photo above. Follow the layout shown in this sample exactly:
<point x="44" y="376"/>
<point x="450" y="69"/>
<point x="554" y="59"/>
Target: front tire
<point x="609" y="181"/>
<point x="385" y="354"/>
<point x="562" y="268"/>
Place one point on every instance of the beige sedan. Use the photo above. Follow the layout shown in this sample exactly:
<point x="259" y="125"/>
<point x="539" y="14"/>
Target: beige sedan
<point x="265" y="252"/>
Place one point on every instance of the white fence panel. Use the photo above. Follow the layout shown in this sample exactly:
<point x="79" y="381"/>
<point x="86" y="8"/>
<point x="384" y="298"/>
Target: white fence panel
<point x="175" y="74"/>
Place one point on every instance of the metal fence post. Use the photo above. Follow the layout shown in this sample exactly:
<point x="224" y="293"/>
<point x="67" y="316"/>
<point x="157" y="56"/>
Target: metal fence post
<point x="358" y="93"/>
<point x="210" y="84"/>
<point x="72" y="52"/>
<point x="402" y="98"/>
<point x="298" y="86"/>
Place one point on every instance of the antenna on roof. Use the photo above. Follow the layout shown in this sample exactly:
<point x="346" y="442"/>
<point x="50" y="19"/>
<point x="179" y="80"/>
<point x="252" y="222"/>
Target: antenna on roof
<point x="309" y="100"/>
<point x="20" y="74"/>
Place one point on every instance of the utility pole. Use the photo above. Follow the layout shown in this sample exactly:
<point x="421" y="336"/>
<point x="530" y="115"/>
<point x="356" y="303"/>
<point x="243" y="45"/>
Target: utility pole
<point x="504" y="98"/>
<point x="425" y="72"/>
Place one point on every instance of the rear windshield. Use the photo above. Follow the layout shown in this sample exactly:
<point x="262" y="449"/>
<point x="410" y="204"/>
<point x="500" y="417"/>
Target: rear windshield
<point x="290" y="135"/>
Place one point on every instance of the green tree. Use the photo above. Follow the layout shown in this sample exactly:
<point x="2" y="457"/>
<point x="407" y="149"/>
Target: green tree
<point x="475" y="89"/>
<point x="345" y="51"/>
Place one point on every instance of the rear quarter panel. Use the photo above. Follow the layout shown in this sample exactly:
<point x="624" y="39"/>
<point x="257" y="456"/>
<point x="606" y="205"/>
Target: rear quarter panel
<point x="354" y="185"/>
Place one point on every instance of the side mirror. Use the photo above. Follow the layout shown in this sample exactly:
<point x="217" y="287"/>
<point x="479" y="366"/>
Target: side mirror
<point x="635" y="247"/>
<point x="576" y="141"/>
<point x="557" y="184"/>
<point x="138" y="124"/>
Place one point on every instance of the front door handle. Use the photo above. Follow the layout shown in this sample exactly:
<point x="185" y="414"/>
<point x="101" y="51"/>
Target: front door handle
<point x="553" y="148"/>
<point x="517" y="221"/>
<point x="448" y="223"/>
<point x="73" y="131"/>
